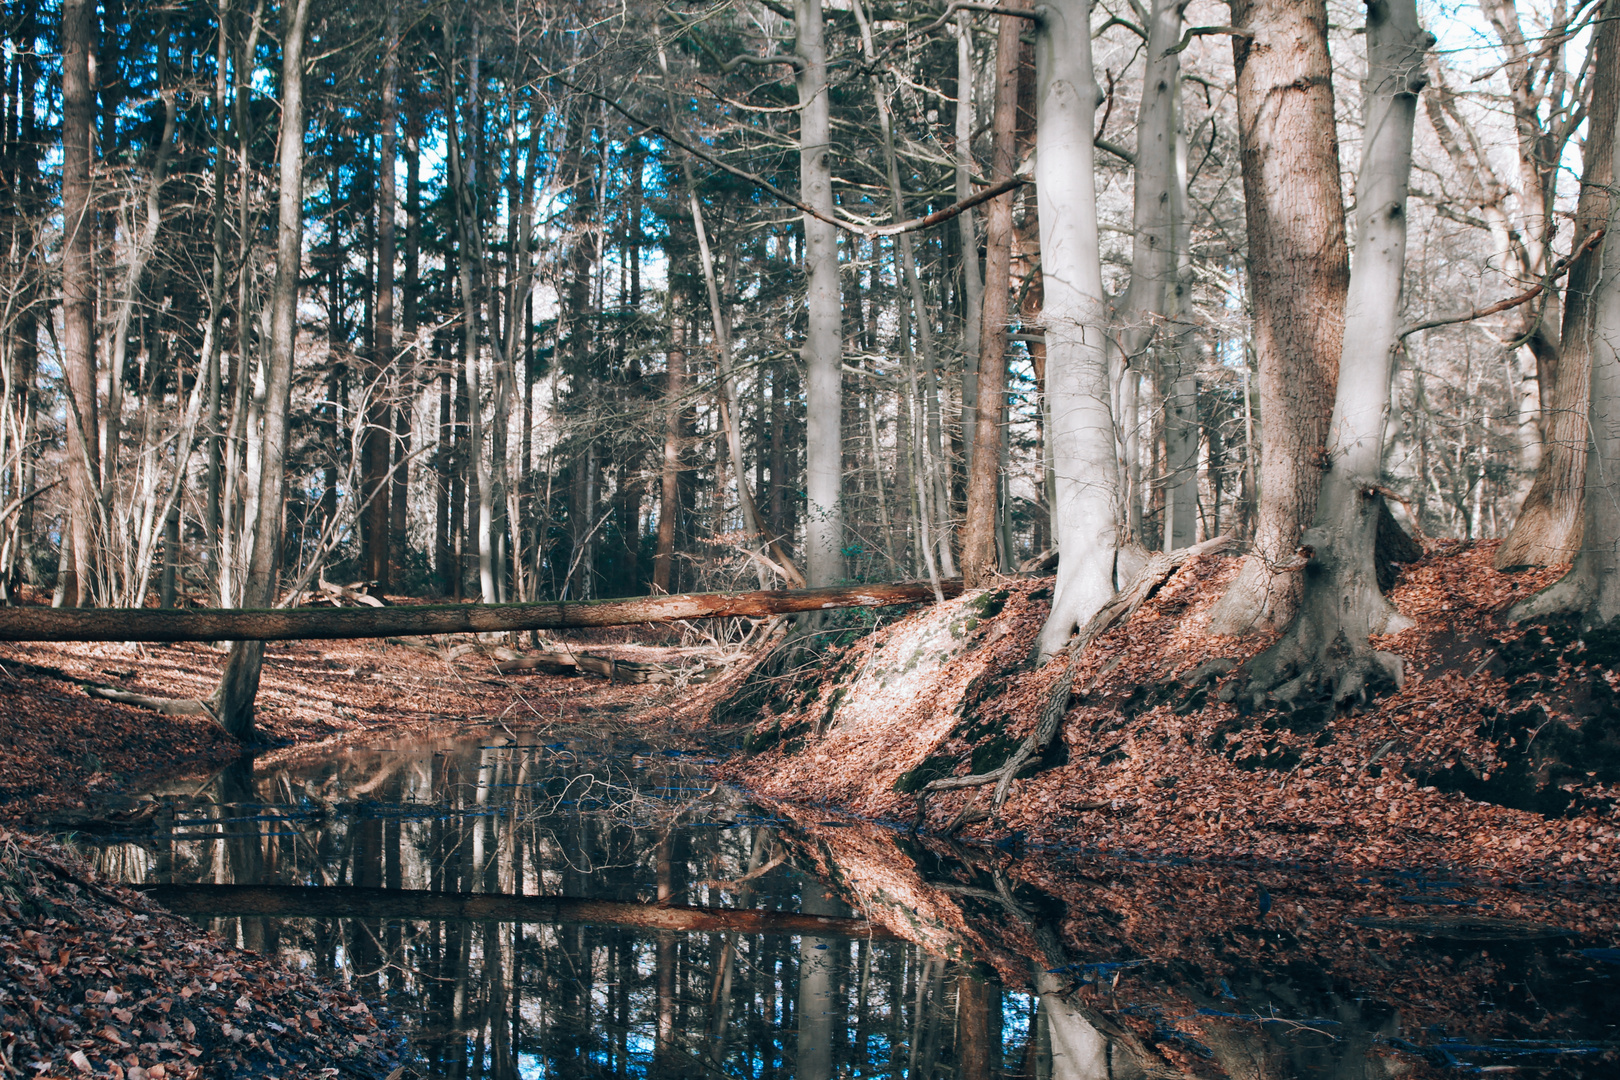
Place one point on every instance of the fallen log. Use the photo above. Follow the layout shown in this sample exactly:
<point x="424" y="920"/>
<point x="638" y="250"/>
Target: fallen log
<point x="349" y="902"/>
<point x="308" y="624"/>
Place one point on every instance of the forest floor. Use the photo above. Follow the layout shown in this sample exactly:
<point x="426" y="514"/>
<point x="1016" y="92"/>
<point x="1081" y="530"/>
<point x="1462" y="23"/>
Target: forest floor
<point x="1499" y="759"/>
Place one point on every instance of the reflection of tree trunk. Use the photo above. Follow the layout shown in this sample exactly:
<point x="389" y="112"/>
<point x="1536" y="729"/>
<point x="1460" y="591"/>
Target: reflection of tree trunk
<point x="244" y="854"/>
<point x="815" y="1045"/>
<point x="978" y="1028"/>
<point x="664" y="1045"/>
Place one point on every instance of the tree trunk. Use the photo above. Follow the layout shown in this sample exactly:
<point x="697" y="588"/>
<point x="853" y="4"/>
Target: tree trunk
<point x="378" y="438"/>
<point x="669" y="491"/>
<point x="239" y="684"/>
<point x="1082" y="432"/>
<point x="1298" y="271"/>
<point x="1550" y="523"/>
<point x="1592" y="587"/>
<point x="972" y="279"/>
<point x="79" y="297"/>
<point x="822" y="350"/>
<point x="298" y="624"/>
<point x="1327" y="646"/>
<point x="979" y="528"/>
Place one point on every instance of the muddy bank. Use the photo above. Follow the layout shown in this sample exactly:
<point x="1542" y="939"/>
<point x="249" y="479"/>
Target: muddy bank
<point x="1498" y="755"/>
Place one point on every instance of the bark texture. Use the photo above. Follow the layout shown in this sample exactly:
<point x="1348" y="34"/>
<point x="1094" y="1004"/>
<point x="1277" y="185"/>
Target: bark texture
<point x="1082" y="431"/>
<point x="1326" y="648"/>
<point x="1551" y="520"/>
<point x="78" y="299"/>
<point x="1299" y="269"/>
<point x="823" y="341"/>
<point x="1591" y="589"/>
<point x="979" y="528"/>
<point x="239" y="684"/>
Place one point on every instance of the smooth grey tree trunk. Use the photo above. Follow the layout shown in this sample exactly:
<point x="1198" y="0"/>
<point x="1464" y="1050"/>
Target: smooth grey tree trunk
<point x="822" y="350"/>
<point x="239" y="684"/>
<point x="1082" y="433"/>
<point x="972" y="275"/>
<point x="1592" y="586"/>
<point x="1326" y="647"/>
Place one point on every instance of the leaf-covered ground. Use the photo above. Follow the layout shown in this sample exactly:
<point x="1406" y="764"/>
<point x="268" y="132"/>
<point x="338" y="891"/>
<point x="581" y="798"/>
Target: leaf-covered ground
<point x="1500" y="753"/>
<point x="95" y="980"/>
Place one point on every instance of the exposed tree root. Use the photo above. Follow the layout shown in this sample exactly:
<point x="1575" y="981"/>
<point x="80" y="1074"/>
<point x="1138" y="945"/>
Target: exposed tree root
<point x="1119" y="609"/>
<point x="163" y="705"/>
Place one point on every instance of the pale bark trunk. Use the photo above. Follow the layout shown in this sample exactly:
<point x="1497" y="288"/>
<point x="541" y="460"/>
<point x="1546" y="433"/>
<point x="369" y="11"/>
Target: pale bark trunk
<point x="822" y="349"/>
<point x="1592" y="587"/>
<point x="78" y="296"/>
<point x="240" y="682"/>
<point x="1326" y="649"/>
<point x="1082" y="434"/>
<point x="972" y="279"/>
<point x="979" y="527"/>
<point x="1298" y="271"/>
<point x="1549" y="525"/>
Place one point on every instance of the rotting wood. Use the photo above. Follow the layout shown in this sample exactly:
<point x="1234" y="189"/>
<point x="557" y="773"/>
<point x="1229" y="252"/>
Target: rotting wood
<point x="1119" y="609"/>
<point x="349" y="902"/>
<point x="165" y="705"/>
<point x="308" y="624"/>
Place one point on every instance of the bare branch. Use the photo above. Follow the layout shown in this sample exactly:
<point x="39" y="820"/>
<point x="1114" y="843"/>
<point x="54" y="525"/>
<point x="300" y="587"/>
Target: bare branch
<point x="1558" y="271"/>
<point x="1201" y="31"/>
<point x="893" y="229"/>
<point x="746" y="59"/>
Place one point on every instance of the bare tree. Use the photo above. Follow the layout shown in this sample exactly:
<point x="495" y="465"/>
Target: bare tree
<point x="1298" y="272"/>
<point x="239" y="683"/>
<point x="1327" y="646"/>
<point x="1082" y="433"/>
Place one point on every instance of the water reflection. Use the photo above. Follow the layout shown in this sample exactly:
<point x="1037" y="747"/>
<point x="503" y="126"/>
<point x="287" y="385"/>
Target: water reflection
<point x="697" y="960"/>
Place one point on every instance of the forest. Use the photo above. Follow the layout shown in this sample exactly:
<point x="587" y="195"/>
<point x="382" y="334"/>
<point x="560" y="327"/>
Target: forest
<point x="518" y="303"/>
<point x="980" y="539"/>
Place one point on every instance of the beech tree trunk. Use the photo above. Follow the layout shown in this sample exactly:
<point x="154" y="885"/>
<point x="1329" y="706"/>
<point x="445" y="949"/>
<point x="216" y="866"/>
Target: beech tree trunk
<point x="979" y="560"/>
<point x="299" y="624"/>
<point x="1082" y="432"/>
<point x="75" y="578"/>
<point x="1550" y="524"/>
<point x="1326" y="647"/>
<point x="972" y="279"/>
<point x="1298" y="271"/>
<point x="1592" y="586"/>
<point x="822" y="349"/>
<point x="239" y="684"/>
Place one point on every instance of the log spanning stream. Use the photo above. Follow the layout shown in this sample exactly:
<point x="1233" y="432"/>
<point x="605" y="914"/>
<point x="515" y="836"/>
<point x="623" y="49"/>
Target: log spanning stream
<point x="588" y="905"/>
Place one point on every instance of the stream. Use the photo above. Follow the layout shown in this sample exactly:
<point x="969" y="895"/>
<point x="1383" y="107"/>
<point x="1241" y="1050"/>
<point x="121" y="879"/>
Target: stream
<point x="588" y="904"/>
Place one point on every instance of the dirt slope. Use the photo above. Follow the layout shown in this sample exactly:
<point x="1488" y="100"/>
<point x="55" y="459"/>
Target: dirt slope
<point x="1500" y="754"/>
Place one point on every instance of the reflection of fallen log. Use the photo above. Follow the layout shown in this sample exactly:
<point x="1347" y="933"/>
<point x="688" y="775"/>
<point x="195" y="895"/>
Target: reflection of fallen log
<point x="294" y="901"/>
<point x="622" y="671"/>
<point x="302" y="624"/>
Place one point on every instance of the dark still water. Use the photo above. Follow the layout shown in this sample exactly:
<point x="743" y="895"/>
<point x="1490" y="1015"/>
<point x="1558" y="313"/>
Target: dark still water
<point x="584" y="905"/>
